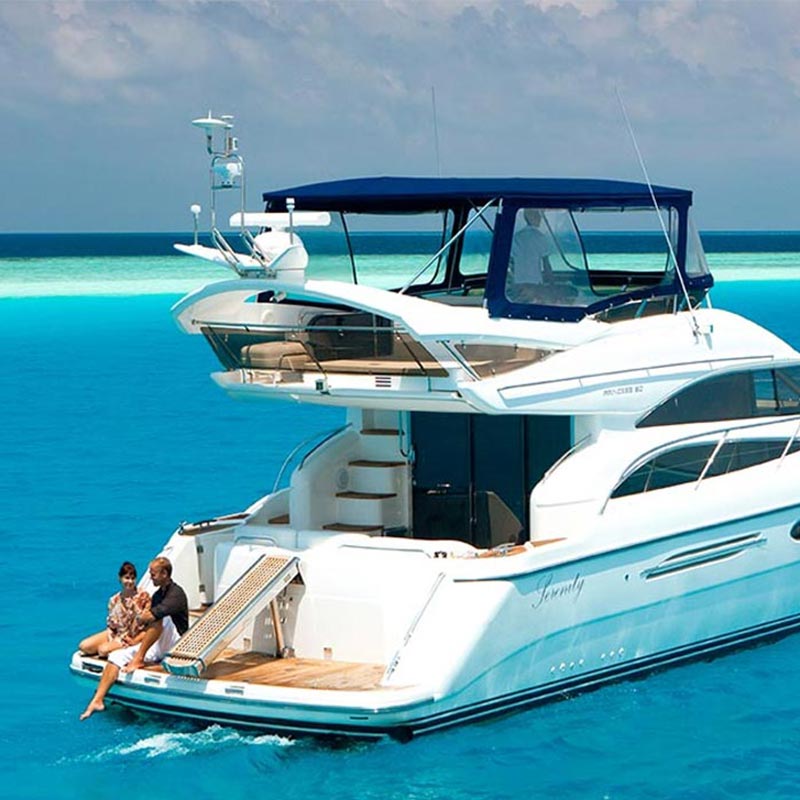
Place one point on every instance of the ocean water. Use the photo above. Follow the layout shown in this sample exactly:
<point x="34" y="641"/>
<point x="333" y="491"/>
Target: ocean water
<point x="112" y="433"/>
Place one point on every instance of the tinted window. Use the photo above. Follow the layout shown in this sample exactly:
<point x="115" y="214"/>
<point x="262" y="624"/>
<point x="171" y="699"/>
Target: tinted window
<point x="683" y="465"/>
<point x="766" y="402"/>
<point x="777" y="391"/>
<point x="719" y="397"/>
<point x="787" y="390"/>
<point x="760" y="393"/>
<point x="686" y="464"/>
<point x="740" y="455"/>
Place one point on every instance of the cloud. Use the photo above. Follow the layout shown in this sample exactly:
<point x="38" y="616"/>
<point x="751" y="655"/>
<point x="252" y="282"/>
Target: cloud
<point x="325" y="88"/>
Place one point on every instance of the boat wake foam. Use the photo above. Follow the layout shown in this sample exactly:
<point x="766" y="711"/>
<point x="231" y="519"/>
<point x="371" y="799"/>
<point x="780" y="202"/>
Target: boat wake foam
<point x="178" y="744"/>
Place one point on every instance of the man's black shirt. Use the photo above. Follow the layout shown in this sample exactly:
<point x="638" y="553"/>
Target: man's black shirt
<point x="170" y="601"/>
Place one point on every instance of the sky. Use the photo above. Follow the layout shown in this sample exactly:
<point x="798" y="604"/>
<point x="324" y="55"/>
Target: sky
<point x="97" y="98"/>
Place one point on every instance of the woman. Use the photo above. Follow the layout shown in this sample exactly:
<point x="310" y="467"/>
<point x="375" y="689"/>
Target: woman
<point x="123" y="628"/>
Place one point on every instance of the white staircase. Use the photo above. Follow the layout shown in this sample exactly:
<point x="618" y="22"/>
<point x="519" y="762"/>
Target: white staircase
<point x="377" y="497"/>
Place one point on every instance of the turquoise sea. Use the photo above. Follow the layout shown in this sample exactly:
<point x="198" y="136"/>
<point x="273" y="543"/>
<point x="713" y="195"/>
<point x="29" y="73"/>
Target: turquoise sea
<point x="112" y="433"/>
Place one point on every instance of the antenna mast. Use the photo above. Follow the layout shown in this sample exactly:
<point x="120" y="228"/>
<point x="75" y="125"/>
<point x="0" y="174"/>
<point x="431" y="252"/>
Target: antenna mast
<point x="436" y="132"/>
<point x="685" y="291"/>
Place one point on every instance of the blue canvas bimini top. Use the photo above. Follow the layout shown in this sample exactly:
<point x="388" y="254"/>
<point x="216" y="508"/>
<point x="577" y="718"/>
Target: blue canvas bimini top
<point x="571" y="295"/>
<point x="392" y="194"/>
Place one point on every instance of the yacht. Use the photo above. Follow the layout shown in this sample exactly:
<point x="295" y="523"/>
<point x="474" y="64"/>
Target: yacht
<point x="558" y="466"/>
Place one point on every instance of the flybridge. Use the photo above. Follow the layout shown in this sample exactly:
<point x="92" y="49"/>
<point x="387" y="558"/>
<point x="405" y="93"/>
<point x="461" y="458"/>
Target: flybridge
<point x="514" y="246"/>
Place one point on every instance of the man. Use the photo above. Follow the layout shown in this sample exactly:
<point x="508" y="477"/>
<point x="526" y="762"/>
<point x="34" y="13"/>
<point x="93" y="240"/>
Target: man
<point x="529" y="265"/>
<point x="167" y="620"/>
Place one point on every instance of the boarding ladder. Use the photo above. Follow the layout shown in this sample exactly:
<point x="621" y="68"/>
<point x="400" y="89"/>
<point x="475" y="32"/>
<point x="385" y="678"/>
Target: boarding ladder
<point x="259" y="586"/>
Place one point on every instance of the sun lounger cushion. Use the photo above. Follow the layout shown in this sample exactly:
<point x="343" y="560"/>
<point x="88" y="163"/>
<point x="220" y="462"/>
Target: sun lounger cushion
<point x="274" y="355"/>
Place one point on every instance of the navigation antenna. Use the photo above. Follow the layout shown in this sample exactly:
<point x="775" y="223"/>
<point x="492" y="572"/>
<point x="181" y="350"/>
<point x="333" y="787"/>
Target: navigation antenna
<point x="686" y="297"/>
<point x="436" y="132"/>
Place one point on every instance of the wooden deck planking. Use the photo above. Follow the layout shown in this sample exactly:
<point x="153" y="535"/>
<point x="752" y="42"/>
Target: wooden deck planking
<point x="299" y="673"/>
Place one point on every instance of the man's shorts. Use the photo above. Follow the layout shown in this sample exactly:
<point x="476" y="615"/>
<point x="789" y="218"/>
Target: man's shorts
<point x="167" y="640"/>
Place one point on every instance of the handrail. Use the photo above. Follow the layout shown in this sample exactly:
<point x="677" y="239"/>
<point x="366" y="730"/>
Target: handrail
<point x="331" y="434"/>
<point x="788" y="445"/>
<point x="574" y="449"/>
<point x="709" y="462"/>
<point x="719" y="432"/>
<point x="404" y="444"/>
<point x="264" y="326"/>
<point x="392" y="666"/>
<point x="328" y="435"/>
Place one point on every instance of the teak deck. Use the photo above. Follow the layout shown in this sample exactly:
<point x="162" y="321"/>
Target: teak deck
<point x="299" y="673"/>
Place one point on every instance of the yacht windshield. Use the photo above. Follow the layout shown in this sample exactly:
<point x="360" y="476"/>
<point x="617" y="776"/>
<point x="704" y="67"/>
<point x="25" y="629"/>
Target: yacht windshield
<point x="382" y="250"/>
<point x="562" y="257"/>
<point x="565" y="263"/>
<point x="696" y="264"/>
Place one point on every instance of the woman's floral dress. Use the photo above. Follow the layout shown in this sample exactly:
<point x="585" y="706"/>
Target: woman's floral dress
<point x="122" y="613"/>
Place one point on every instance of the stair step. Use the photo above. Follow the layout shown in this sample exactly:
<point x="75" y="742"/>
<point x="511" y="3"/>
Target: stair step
<point x="366" y="495"/>
<point x="364" y="462"/>
<point x="281" y="519"/>
<point x="341" y="527"/>
<point x="380" y="432"/>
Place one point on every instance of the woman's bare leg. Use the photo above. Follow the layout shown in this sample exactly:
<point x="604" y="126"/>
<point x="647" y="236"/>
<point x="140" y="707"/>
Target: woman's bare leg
<point x="109" y="647"/>
<point x="91" y="644"/>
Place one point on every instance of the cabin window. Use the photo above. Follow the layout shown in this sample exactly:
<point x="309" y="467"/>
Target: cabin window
<point x="777" y="391"/>
<point x="687" y="464"/>
<point x="672" y="468"/>
<point x="738" y="395"/>
<point x="718" y="397"/>
<point x="488" y="360"/>
<point x="734" y="456"/>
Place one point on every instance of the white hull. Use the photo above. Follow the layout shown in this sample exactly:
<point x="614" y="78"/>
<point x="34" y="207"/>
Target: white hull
<point x="546" y="633"/>
<point x="640" y="450"/>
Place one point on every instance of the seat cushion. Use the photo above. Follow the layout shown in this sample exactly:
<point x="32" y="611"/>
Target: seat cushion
<point x="273" y="355"/>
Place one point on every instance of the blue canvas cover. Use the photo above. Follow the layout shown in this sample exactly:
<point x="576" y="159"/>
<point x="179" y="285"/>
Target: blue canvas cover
<point x="398" y="194"/>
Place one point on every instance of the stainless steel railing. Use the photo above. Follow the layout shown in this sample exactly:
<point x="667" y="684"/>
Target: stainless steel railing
<point x="312" y="443"/>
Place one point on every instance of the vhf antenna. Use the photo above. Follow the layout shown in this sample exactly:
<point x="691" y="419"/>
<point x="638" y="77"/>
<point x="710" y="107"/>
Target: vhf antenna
<point x="436" y="132"/>
<point x="695" y="325"/>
